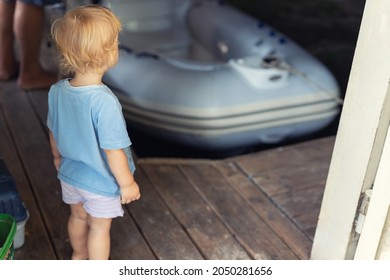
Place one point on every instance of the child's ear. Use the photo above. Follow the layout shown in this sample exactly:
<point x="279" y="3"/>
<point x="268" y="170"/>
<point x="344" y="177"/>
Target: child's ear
<point x="113" y="58"/>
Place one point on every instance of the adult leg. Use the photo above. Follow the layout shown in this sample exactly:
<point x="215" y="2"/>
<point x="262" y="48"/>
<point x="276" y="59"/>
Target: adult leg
<point x="78" y="231"/>
<point x="8" y="63"/>
<point x="99" y="238"/>
<point x="28" y="28"/>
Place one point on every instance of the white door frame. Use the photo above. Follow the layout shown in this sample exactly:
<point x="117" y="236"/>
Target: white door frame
<point x="360" y="138"/>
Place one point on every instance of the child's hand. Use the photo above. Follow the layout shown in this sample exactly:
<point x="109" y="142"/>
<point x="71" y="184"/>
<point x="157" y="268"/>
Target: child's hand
<point x="130" y="193"/>
<point x="119" y="166"/>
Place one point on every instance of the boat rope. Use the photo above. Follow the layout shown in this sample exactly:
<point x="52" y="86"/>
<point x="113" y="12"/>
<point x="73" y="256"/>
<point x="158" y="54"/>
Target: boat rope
<point x="274" y="62"/>
<point x="327" y="92"/>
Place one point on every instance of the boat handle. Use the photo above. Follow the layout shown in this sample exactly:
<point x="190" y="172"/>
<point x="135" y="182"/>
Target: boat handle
<point x="147" y="54"/>
<point x="124" y="48"/>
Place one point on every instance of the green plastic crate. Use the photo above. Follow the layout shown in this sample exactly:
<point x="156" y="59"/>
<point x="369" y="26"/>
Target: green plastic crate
<point x="7" y="234"/>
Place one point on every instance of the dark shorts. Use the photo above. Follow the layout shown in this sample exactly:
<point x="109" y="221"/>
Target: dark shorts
<point x="38" y="2"/>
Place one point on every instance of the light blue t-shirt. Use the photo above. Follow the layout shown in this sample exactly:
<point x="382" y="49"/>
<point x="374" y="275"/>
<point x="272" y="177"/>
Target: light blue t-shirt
<point x="84" y="121"/>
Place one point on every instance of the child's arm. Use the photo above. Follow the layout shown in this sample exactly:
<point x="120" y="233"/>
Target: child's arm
<point x="54" y="151"/>
<point x="117" y="160"/>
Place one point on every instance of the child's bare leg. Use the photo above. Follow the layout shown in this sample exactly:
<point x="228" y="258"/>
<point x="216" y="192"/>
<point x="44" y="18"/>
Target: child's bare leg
<point x="99" y="238"/>
<point x="8" y="63"/>
<point x="29" y="23"/>
<point x="78" y="231"/>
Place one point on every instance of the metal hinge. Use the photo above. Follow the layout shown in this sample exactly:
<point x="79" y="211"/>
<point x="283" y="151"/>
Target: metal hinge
<point x="361" y="216"/>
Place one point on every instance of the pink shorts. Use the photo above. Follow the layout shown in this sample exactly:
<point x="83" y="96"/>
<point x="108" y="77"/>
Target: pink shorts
<point x="98" y="206"/>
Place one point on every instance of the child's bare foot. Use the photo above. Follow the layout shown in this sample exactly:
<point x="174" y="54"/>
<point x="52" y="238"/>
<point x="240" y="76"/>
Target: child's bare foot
<point x="38" y="80"/>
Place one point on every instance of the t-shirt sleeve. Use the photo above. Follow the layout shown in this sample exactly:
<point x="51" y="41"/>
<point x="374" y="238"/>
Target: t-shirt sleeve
<point x="49" y="120"/>
<point x="110" y="125"/>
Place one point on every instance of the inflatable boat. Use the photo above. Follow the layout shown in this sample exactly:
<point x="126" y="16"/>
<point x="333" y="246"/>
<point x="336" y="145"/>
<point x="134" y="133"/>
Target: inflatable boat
<point x="204" y="74"/>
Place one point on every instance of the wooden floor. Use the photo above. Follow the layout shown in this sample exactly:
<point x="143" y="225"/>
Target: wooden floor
<point x="263" y="205"/>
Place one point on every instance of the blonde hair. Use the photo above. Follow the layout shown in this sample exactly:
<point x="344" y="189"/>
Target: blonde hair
<point x="86" y="38"/>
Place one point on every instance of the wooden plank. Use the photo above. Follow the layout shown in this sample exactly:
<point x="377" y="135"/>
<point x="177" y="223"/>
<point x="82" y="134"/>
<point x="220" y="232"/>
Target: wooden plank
<point x="300" y="154"/>
<point x="205" y="228"/>
<point x="127" y="243"/>
<point x="293" y="178"/>
<point x="302" y="206"/>
<point x="37" y="244"/>
<point x="157" y="223"/>
<point x="38" y="99"/>
<point x="33" y="145"/>
<point x="34" y="149"/>
<point x="300" y="202"/>
<point x="308" y="223"/>
<point x="267" y="210"/>
<point x="253" y="233"/>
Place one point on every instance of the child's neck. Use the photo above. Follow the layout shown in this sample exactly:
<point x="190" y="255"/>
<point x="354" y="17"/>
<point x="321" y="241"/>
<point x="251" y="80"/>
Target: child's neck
<point x="86" y="79"/>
